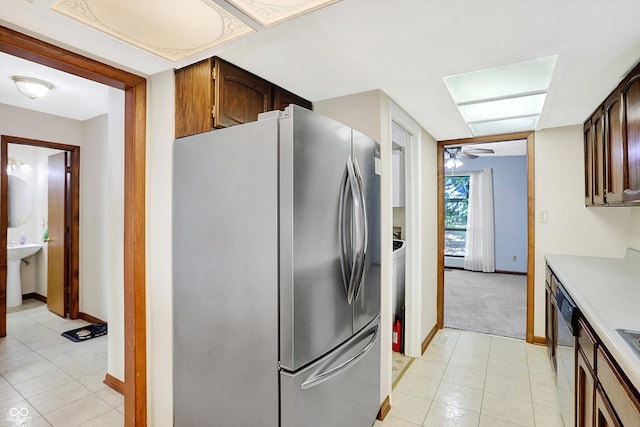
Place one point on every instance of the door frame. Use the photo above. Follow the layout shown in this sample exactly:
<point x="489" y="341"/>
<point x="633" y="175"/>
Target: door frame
<point x="529" y="136"/>
<point x="74" y="213"/>
<point x="413" y="234"/>
<point x="135" y="110"/>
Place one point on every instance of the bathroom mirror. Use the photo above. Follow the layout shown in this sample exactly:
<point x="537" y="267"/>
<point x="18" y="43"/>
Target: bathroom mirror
<point x="20" y="201"/>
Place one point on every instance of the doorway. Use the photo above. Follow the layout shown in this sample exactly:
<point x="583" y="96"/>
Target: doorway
<point x="63" y="294"/>
<point x="134" y="87"/>
<point x="408" y="130"/>
<point x="530" y="209"/>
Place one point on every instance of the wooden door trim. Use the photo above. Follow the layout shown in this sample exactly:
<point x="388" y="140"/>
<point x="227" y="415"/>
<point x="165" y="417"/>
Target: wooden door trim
<point x="74" y="212"/>
<point x="529" y="136"/>
<point x="31" y="49"/>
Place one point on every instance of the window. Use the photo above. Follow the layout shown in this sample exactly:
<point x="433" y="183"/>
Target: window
<point x="456" y="205"/>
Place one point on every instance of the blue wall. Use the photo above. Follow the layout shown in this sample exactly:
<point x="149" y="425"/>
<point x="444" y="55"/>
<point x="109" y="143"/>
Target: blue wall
<point x="510" y="209"/>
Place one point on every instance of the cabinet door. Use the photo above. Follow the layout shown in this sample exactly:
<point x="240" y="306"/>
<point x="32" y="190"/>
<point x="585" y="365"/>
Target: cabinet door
<point x="194" y="99"/>
<point x="588" y="163"/>
<point x="616" y="168"/>
<point x="282" y="98"/>
<point x="585" y="389"/>
<point x="239" y="95"/>
<point x="630" y="91"/>
<point x="597" y="129"/>
<point x="604" y="415"/>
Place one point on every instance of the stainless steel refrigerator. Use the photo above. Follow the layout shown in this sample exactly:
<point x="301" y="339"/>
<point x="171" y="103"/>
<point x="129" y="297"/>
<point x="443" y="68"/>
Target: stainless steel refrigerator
<point x="276" y="274"/>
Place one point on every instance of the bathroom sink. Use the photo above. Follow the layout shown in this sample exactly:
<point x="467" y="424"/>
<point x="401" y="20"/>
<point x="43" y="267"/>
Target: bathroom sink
<point x="16" y="253"/>
<point x="632" y="338"/>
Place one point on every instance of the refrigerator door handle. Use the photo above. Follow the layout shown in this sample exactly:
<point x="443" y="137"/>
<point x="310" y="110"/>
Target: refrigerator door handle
<point x="350" y="229"/>
<point x="362" y="237"/>
<point x="322" y="375"/>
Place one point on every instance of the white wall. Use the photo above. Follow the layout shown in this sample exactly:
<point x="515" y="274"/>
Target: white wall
<point x="572" y="228"/>
<point x="112" y="288"/>
<point x="429" y="233"/>
<point x="158" y="244"/>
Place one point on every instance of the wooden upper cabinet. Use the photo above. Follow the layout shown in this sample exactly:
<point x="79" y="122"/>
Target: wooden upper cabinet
<point x="216" y="94"/>
<point x="588" y="163"/>
<point x="630" y="95"/>
<point x="239" y="95"/>
<point x="194" y="99"/>
<point x="282" y="98"/>
<point x="597" y="129"/>
<point x="616" y="168"/>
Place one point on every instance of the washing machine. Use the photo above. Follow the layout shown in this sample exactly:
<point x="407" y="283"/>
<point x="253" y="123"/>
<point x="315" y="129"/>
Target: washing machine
<point x="398" y="275"/>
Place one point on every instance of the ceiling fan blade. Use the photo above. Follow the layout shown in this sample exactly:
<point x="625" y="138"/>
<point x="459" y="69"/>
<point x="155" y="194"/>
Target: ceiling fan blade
<point x="478" y="150"/>
<point x="466" y="155"/>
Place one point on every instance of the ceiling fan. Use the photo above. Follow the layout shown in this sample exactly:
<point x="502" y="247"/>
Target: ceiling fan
<point x="467" y="153"/>
<point x="452" y="155"/>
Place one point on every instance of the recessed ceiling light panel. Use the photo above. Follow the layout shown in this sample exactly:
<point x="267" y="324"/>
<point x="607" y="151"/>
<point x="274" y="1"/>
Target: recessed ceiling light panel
<point x="271" y="12"/>
<point x="504" y="108"/>
<point x="173" y="30"/>
<point x="502" y="82"/>
<point x="499" y="127"/>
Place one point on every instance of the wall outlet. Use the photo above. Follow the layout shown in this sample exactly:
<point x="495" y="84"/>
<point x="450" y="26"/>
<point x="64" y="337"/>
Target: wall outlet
<point x="515" y="258"/>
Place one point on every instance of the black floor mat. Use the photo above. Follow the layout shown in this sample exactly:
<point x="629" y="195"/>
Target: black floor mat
<point x="86" y="332"/>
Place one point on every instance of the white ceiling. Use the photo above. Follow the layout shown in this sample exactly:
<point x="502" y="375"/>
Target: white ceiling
<point x="403" y="47"/>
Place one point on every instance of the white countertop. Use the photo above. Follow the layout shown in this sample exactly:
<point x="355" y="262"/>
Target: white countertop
<point x="607" y="291"/>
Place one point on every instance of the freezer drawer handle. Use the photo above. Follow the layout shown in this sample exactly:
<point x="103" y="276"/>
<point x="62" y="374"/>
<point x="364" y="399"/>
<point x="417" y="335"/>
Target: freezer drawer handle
<point x="352" y="229"/>
<point x="319" y="377"/>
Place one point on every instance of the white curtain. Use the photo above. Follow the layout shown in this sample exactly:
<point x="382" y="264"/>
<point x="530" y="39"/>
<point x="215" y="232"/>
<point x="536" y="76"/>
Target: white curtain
<point x="480" y="253"/>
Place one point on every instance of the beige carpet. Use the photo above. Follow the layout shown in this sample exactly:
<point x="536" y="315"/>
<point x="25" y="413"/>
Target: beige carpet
<point x="490" y="303"/>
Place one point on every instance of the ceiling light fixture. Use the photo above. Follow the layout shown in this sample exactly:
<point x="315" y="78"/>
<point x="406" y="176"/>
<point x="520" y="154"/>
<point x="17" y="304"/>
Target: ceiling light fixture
<point x="13" y="164"/>
<point x="503" y="99"/>
<point x="31" y="87"/>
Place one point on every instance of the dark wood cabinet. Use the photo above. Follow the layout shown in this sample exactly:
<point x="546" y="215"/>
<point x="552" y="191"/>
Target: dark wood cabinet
<point x="612" y="147"/>
<point x="239" y="96"/>
<point x="588" y="163"/>
<point x="604" y="395"/>
<point x="282" y="98"/>
<point x="594" y="159"/>
<point x="216" y="94"/>
<point x="604" y="415"/>
<point x="585" y="376"/>
<point x="616" y="169"/>
<point x="597" y="125"/>
<point x="630" y="96"/>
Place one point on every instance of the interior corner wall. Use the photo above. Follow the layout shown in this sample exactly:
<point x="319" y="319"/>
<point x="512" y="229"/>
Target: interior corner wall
<point x="429" y="233"/>
<point x="93" y="205"/>
<point x="572" y="228"/>
<point x="158" y="245"/>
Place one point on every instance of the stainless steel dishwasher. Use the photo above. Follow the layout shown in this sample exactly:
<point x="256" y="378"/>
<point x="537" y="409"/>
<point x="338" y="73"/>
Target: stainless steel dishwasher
<point x="567" y="315"/>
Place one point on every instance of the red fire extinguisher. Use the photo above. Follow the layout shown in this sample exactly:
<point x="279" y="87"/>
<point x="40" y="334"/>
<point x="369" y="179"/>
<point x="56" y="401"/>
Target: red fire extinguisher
<point x="397" y="334"/>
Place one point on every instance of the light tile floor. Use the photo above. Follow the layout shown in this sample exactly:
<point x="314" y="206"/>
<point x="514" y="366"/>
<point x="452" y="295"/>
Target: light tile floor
<point x="471" y="379"/>
<point x="47" y="380"/>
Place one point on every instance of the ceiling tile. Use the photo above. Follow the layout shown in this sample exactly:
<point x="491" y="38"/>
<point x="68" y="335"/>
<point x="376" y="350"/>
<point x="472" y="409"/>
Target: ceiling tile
<point x="169" y="29"/>
<point x="271" y="12"/>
